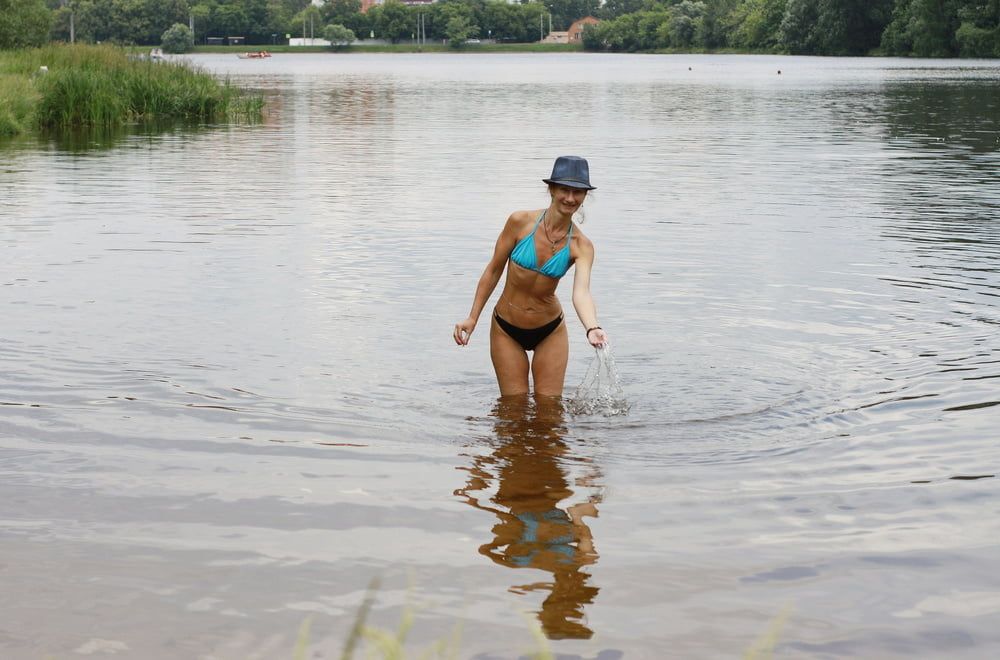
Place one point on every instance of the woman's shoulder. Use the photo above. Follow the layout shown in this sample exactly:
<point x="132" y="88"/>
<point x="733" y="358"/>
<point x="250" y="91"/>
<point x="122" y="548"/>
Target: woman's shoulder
<point x="519" y="220"/>
<point x="526" y="216"/>
<point x="580" y="238"/>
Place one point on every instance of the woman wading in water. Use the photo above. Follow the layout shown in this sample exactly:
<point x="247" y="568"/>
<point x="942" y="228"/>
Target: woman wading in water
<point x="540" y="247"/>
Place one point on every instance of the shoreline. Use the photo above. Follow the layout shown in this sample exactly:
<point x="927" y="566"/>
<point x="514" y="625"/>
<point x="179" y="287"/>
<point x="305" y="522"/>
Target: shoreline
<point x="538" y="48"/>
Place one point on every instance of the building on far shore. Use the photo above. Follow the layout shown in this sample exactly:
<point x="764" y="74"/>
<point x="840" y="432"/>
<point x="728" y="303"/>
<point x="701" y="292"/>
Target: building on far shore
<point x="574" y="35"/>
<point x="555" y="37"/>
<point x="575" y="31"/>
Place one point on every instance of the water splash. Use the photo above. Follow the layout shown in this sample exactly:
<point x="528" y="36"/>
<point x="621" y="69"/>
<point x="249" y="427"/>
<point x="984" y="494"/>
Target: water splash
<point x="600" y="392"/>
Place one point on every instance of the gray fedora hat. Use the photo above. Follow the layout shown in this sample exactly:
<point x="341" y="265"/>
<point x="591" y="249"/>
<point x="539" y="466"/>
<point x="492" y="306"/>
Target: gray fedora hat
<point x="571" y="171"/>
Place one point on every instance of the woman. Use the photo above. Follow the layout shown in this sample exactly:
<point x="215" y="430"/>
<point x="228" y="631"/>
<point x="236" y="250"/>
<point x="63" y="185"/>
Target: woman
<point x="537" y="248"/>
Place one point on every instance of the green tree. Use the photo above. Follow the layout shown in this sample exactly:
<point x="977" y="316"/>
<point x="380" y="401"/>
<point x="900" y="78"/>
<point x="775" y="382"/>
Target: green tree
<point x="393" y="21"/>
<point x="648" y="30"/>
<point x="231" y="20"/>
<point x="532" y="14"/>
<point x="756" y="24"/>
<point x="685" y="22"/>
<point x="615" y="8"/>
<point x="88" y="21"/>
<point x="926" y="28"/>
<point x="593" y="36"/>
<point x="177" y="39"/>
<point x="623" y="33"/>
<point x="565" y="12"/>
<point x="339" y="12"/>
<point x="24" y="23"/>
<point x="157" y="17"/>
<point x="798" y="27"/>
<point x="979" y="32"/>
<point x="850" y="27"/>
<point x="458" y="30"/>
<point x="308" y="23"/>
<point x="203" y="25"/>
<point x="257" y="24"/>
<point x="896" y="38"/>
<point x="716" y="24"/>
<point x="977" y="42"/>
<point x="338" y="35"/>
<point x="59" y="27"/>
<point x="500" y="20"/>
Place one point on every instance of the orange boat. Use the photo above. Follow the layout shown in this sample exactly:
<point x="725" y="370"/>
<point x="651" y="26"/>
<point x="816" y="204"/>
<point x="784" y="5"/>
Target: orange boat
<point x="254" y="55"/>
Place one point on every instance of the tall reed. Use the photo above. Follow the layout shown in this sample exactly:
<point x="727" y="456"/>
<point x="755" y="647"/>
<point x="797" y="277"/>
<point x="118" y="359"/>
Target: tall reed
<point x="103" y="86"/>
<point x="18" y="98"/>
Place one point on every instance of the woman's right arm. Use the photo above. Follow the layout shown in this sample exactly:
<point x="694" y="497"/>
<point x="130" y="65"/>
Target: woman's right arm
<point x="489" y="279"/>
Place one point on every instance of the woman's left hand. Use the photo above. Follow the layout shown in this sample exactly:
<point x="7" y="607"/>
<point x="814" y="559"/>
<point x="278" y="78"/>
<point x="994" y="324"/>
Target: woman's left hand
<point x="597" y="338"/>
<point x="463" y="331"/>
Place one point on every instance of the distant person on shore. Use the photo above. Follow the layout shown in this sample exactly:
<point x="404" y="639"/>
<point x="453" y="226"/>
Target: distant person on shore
<point x="537" y="248"/>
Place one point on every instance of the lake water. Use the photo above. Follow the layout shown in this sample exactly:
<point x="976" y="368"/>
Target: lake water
<point x="229" y="398"/>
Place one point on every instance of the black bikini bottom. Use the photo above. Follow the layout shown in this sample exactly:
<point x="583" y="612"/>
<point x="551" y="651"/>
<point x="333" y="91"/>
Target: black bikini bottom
<point x="528" y="338"/>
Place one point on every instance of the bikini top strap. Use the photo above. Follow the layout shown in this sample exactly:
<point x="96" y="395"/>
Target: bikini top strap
<point x="541" y="216"/>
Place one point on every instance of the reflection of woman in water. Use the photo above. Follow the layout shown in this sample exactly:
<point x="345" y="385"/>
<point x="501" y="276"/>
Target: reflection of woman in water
<point x="537" y="248"/>
<point x="533" y="532"/>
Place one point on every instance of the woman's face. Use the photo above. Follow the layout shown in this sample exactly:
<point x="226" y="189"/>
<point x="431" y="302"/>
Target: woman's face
<point x="567" y="199"/>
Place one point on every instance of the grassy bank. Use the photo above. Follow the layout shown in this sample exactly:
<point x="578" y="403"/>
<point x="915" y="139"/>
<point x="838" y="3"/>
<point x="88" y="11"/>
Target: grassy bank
<point x="102" y="86"/>
<point x="361" y="47"/>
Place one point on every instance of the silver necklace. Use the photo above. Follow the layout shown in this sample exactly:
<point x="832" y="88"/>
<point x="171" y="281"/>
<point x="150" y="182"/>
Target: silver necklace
<point x="553" y="243"/>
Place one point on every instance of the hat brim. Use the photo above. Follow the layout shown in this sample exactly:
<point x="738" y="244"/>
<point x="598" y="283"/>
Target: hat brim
<point x="570" y="184"/>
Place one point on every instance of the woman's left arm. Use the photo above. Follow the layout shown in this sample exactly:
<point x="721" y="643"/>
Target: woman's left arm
<point x="583" y="302"/>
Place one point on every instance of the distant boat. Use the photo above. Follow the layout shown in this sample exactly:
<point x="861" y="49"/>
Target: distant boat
<point x="254" y="55"/>
<point x="154" y="55"/>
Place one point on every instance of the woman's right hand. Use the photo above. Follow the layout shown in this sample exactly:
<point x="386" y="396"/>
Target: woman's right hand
<point x="463" y="331"/>
<point x="597" y="338"/>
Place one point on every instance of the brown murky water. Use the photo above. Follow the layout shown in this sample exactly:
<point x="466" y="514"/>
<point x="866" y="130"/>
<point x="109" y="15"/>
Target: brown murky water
<point x="230" y="398"/>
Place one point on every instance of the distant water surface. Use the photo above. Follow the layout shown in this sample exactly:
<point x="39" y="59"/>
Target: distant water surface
<point x="229" y="398"/>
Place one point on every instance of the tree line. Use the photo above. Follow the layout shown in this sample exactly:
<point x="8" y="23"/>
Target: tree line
<point x="143" y="22"/>
<point x="926" y="28"/>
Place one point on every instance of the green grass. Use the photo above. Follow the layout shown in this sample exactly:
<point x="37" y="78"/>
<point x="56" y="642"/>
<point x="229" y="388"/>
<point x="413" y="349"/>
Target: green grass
<point x="386" y="644"/>
<point x="101" y="86"/>
<point x="18" y="99"/>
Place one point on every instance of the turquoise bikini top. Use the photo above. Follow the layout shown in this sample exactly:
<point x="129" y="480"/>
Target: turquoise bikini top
<point x="524" y="256"/>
